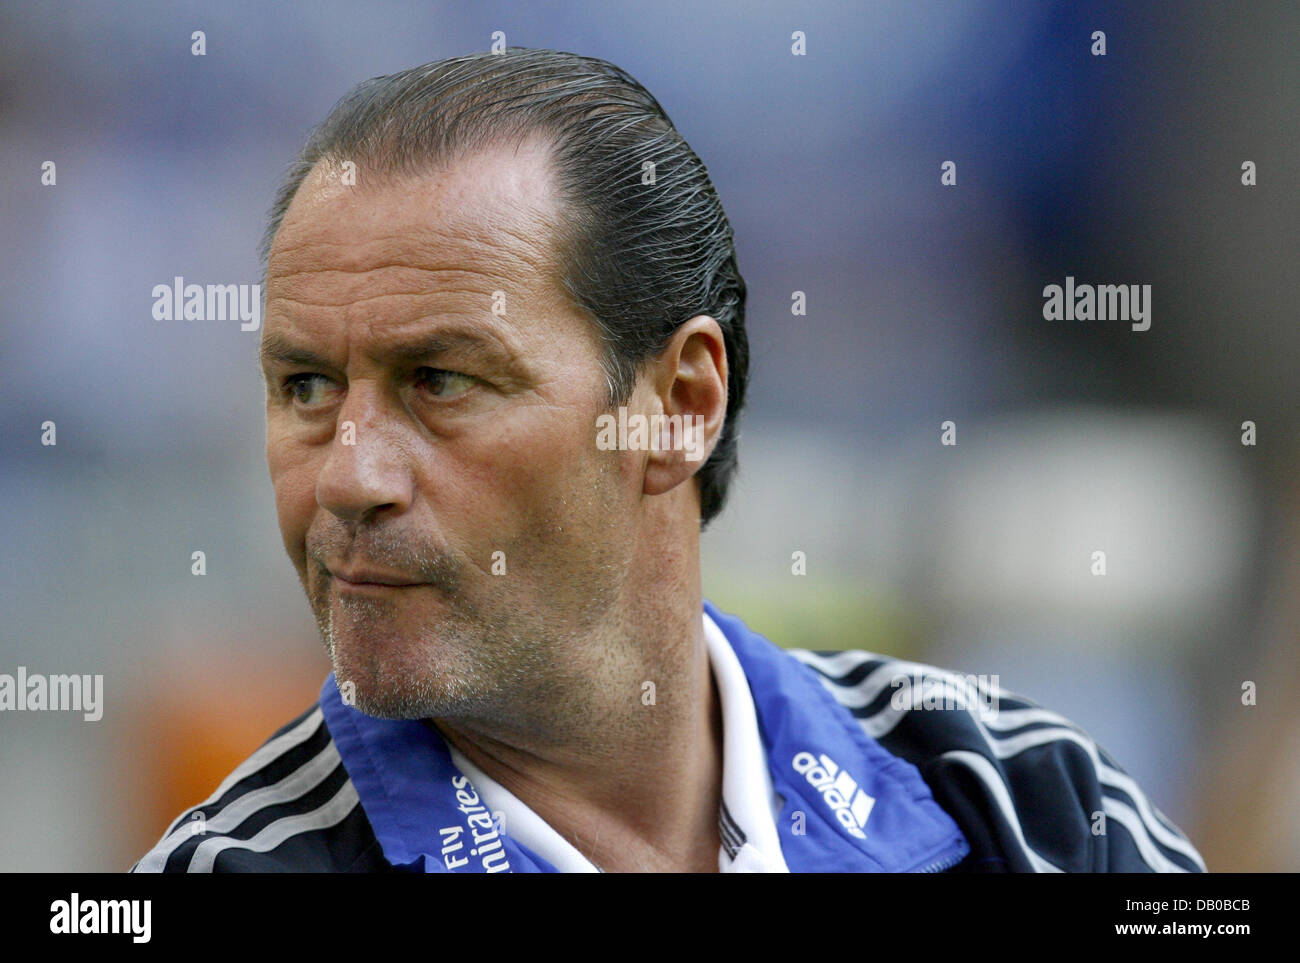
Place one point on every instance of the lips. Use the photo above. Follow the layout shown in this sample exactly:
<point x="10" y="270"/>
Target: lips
<point x="372" y="577"/>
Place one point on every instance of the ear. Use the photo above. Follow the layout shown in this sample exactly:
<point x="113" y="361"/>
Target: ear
<point x="689" y="382"/>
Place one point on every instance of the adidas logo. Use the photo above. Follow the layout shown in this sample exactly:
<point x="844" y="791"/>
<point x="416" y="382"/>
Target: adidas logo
<point x="840" y="790"/>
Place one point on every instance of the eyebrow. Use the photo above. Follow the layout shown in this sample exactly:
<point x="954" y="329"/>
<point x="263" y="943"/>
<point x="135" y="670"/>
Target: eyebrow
<point x="278" y="349"/>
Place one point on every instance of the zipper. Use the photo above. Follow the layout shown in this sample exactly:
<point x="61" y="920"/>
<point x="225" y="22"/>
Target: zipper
<point x="940" y="865"/>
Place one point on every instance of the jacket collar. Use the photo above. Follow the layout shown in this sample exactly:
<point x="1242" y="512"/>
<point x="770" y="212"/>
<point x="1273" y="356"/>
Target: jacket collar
<point x="849" y="805"/>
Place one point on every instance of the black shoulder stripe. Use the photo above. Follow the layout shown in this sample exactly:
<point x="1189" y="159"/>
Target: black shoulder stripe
<point x="1027" y="785"/>
<point x="299" y="752"/>
<point x="272" y="810"/>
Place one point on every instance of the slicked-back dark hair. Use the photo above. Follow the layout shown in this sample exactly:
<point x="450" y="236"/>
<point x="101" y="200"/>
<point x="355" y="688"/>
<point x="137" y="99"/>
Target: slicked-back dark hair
<point x="640" y="258"/>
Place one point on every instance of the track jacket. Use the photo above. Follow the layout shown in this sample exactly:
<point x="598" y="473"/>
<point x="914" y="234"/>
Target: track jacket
<point x="833" y="762"/>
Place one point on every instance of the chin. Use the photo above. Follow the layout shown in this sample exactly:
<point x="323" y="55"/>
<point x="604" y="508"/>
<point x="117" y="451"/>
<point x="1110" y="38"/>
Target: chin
<point x="391" y="697"/>
<point x="392" y="681"/>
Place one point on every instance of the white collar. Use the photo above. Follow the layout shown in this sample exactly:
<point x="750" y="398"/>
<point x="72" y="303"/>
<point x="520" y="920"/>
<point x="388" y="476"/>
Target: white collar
<point x="747" y="817"/>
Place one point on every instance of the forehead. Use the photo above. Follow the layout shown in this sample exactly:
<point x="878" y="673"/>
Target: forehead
<point x="483" y="225"/>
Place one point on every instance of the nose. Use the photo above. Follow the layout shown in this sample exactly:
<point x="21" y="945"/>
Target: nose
<point x="365" y="472"/>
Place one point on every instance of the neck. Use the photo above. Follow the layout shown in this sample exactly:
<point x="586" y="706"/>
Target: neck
<point x="631" y="771"/>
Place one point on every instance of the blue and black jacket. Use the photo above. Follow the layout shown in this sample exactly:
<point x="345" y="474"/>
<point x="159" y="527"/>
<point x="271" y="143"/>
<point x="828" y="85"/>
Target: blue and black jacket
<point x="882" y="766"/>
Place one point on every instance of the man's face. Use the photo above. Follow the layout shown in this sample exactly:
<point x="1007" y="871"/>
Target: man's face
<point x="436" y="477"/>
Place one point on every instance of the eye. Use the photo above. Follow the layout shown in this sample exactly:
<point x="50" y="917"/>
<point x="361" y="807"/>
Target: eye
<point x="306" y="389"/>
<point x="444" y="383"/>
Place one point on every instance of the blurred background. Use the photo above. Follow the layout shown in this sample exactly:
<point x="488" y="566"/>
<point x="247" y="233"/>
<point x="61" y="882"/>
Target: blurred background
<point x="924" y="305"/>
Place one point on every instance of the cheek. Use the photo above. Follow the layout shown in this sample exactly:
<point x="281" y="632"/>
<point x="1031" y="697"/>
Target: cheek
<point x="498" y="487"/>
<point x="527" y="484"/>
<point x="294" y="481"/>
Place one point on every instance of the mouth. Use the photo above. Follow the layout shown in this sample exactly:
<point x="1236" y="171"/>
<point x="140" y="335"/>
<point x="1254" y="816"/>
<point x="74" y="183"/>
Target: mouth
<point x="370" y="580"/>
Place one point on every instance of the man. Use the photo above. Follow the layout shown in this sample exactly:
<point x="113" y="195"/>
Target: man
<point x="474" y="270"/>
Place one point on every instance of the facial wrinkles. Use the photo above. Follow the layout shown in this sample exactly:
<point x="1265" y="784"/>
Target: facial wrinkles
<point x="502" y="242"/>
<point x="382" y="328"/>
